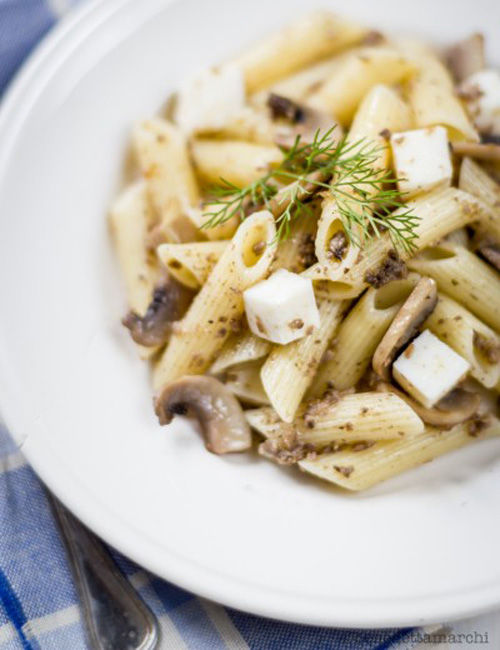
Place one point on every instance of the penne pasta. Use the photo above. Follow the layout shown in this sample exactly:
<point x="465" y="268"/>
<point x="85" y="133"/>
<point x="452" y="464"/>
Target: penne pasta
<point x="359" y="335"/>
<point x="381" y="110"/>
<point x="301" y="84"/>
<point x="240" y="349"/>
<point x="343" y="419"/>
<point x="129" y="217"/>
<point x="476" y="181"/>
<point x="191" y="264"/>
<point x="207" y="325"/>
<point x="236" y="162"/>
<point x="253" y="124"/>
<point x="463" y="276"/>
<point x="360" y="469"/>
<point x="432" y="97"/>
<point x="289" y="369"/>
<point x="311" y="38"/>
<point x="470" y="337"/>
<point x="163" y="159"/>
<point x="359" y="71"/>
<point x="439" y="213"/>
<point x="296" y="252"/>
<point x="245" y="383"/>
<point x="266" y="249"/>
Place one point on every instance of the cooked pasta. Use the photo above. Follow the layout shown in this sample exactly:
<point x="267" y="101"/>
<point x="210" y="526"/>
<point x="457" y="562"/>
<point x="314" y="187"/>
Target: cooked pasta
<point x="359" y="334"/>
<point x="233" y="160"/>
<point x="219" y="305"/>
<point x="432" y="96"/>
<point x="349" y="418"/>
<point x="310" y="253"/>
<point x="476" y="181"/>
<point x="341" y="94"/>
<point x="302" y="43"/>
<point x="464" y="277"/>
<point x="468" y="336"/>
<point x="240" y="349"/>
<point x="192" y="263"/>
<point x="290" y="369"/>
<point x="361" y="468"/>
<point x="163" y="159"/>
<point x="130" y="216"/>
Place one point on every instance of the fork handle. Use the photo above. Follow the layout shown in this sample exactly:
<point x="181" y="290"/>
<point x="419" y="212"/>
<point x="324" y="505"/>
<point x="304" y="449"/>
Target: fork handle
<point x="115" y="616"/>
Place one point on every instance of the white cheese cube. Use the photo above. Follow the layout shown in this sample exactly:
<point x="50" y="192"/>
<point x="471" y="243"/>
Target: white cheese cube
<point x="429" y="369"/>
<point x="282" y="308"/>
<point x="211" y="100"/>
<point x="422" y="159"/>
<point x="482" y="93"/>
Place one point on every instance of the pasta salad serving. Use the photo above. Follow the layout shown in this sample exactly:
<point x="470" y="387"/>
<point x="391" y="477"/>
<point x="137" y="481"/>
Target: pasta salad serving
<point x="311" y="250"/>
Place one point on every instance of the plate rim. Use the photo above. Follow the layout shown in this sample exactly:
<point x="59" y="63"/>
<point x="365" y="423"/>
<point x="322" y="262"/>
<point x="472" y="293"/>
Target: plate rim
<point x="47" y="57"/>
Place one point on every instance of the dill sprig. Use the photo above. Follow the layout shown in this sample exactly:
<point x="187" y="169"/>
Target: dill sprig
<point x="366" y="195"/>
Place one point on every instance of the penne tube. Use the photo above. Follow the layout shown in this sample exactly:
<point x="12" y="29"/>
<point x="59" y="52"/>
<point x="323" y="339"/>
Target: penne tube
<point x="305" y="41"/>
<point x="361" y="468"/>
<point x="382" y="109"/>
<point x="240" y="163"/>
<point x="432" y="97"/>
<point x="253" y="124"/>
<point x="439" y="213"/>
<point x="459" y="236"/>
<point x="464" y="277"/>
<point x="192" y="263"/>
<point x="129" y="217"/>
<point x="162" y="154"/>
<point x="289" y="369"/>
<point x="240" y="349"/>
<point x="359" y="335"/>
<point x="469" y="337"/>
<point x="208" y="322"/>
<point x="359" y="71"/>
<point x="476" y="181"/>
<point x="296" y="252"/>
<point x="348" y="418"/>
<point x="245" y="383"/>
<point x="300" y="85"/>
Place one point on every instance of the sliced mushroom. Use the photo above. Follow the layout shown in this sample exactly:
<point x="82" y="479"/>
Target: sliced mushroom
<point x="221" y="418"/>
<point x="466" y="57"/>
<point x="419" y="304"/>
<point x="490" y="251"/>
<point x="304" y="121"/>
<point x="478" y="150"/>
<point x="458" y="406"/>
<point x="170" y="302"/>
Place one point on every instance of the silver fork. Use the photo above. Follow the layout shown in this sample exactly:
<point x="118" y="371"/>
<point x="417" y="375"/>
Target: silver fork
<point x="116" y="618"/>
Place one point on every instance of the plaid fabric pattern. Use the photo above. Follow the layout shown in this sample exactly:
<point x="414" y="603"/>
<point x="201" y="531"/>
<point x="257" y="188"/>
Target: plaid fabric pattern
<point x="38" y="603"/>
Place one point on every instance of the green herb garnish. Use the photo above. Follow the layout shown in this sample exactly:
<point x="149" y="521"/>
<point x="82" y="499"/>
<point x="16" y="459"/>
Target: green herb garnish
<point x="367" y="197"/>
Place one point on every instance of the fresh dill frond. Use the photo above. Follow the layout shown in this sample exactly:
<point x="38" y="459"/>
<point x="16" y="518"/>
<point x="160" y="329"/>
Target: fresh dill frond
<point x="366" y="195"/>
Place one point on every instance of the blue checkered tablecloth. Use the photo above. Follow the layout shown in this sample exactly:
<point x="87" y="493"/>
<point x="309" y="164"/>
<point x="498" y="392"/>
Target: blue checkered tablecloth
<point x="38" y="603"/>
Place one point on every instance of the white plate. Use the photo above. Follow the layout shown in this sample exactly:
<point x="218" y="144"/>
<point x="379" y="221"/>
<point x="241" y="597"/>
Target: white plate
<point x="239" y="530"/>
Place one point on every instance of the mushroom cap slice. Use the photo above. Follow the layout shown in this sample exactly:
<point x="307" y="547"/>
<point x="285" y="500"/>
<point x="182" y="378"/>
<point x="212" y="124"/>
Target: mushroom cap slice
<point x="221" y="418"/>
<point x="491" y="253"/>
<point x="479" y="150"/>
<point x="419" y="304"/>
<point x="170" y="302"/>
<point x="456" y="407"/>
<point x="466" y="57"/>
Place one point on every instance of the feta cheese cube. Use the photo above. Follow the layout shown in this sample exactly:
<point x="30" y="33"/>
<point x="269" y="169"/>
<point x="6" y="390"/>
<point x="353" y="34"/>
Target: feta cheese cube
<point x="429" y="369"/>
<point x="422" y="159"/>
<point x="211" y="100"/>
<point x="282" y="308"/>
<point x="482" y="93"/>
